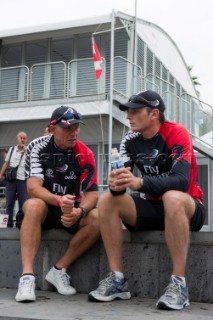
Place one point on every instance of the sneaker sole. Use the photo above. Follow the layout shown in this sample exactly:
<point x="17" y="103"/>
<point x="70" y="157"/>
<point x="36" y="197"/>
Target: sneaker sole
<point x="50" y="280"/>
<point x="25" y="299"/>
<point x="116" y="296"/>
<point x="165" y="306"/>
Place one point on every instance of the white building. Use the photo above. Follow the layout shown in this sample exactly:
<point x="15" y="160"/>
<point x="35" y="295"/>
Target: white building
<point x="44" y="67"/>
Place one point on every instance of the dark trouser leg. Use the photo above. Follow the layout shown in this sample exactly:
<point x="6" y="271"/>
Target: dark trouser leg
<point x="10" y="200"/>
<point x="22" y="192"/>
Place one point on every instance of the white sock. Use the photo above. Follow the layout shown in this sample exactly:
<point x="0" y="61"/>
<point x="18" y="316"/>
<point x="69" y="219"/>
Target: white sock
<point x="182" y="279"/>
<point x="119" y="275"/>
<point x="57" y="269"/>
<point x="31" y="276"/>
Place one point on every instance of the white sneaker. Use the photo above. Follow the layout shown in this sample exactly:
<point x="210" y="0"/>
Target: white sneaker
<point x="176" y="295"/>
<point x="26" y="289"/>
<point x="61" y="280"/>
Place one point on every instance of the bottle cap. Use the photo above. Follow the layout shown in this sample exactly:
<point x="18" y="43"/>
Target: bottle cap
<point x="114" y="150"/>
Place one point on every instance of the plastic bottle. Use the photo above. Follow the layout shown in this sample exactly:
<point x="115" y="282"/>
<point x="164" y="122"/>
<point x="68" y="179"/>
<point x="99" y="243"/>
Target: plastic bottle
<point x="116" y="160"/>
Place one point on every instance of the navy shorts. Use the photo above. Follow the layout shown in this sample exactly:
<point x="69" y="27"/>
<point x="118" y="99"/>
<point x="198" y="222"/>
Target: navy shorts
<point x="53" y="221"/>
<point x="150" y="215"/>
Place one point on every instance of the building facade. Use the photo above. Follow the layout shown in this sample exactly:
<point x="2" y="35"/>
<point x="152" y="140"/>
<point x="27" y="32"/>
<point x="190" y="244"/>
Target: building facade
<point x="44" y="67"/>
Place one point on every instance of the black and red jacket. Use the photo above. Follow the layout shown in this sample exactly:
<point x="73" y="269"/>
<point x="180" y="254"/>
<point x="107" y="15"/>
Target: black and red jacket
<point x="166" y="161"/>
<point x="63" y="172"/>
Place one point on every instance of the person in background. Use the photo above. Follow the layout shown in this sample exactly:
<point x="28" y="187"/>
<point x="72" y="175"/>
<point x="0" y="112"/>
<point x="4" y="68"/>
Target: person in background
<point x="15" y="189"/>
<point x="62" y="185"/>
<point x="47" y="131"/>
<point x="170" y="197"/>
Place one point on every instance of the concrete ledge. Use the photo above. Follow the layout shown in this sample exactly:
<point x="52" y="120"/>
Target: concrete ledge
<point x="146" y="263"/>
<point x="204" y="238"/>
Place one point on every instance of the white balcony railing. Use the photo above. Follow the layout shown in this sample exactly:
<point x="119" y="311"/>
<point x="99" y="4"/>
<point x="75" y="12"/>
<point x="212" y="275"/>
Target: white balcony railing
<point x="58" y="80"/>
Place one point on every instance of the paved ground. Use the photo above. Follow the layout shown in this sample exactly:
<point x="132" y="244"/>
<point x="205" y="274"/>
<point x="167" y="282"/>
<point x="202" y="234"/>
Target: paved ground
<point x="51" y="305"/>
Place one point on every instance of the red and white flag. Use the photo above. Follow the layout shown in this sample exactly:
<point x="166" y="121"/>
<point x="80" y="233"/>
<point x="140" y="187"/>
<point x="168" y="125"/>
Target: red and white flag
<point x="97" y="59"/>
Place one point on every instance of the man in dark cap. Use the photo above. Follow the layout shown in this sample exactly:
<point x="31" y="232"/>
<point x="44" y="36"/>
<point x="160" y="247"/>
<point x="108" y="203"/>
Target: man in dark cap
<point x="170" y="198"/>
<point x="59" y="168"/>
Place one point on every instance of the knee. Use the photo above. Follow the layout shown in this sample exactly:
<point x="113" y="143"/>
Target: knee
<point x="173" y="202"/>
<point x="105" y="200"/>
<point x="110" y="206"/>
<point x="172" y="197"/>
<point x="34" y="208"/>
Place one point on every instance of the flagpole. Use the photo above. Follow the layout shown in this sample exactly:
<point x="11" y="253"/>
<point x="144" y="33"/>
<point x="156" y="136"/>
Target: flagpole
<point x="111" y="86"/>
<point x="135" y="34"/>
<point x="135" y="49"/>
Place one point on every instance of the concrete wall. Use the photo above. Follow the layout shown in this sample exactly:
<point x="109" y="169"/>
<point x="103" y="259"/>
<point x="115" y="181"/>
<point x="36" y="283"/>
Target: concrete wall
<point x="146" y="263"/>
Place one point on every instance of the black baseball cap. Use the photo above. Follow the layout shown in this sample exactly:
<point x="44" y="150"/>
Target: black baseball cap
<point x="142" y="99"/>
<point x="65" y="116"/>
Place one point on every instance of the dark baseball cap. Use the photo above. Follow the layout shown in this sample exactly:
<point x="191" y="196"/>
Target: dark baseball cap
<point x="142" y="99"/>
<point x="65" y="117"/>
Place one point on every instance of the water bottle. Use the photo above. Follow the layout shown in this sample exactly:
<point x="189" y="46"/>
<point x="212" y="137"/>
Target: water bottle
<point x="116" y="160"/>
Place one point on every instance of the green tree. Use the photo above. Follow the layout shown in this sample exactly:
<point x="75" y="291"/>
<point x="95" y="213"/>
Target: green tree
<point x="205" y="126"/>
<point x="194" y="78"/>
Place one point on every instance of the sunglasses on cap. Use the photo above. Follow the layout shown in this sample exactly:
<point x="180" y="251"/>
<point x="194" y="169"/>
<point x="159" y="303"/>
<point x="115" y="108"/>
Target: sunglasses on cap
<point x="137" y="99"/>
<point x="66" y="116"/>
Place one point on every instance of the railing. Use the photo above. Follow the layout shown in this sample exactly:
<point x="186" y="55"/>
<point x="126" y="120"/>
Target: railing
<point x="81" y="78"/>
<point x="48" y="81"/>
<point x="128" y="77"/>
<point x="2" y="198"/>
<point x="53" y="80"/>
<point x="197" y="117"/>
<point x="58" y="80"/>
<point x="14" y="84"/>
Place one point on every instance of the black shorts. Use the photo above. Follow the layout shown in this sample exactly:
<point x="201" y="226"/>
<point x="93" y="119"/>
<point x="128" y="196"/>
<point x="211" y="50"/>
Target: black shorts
<point x="150" y="215"/>
<point x="53" y="221"/>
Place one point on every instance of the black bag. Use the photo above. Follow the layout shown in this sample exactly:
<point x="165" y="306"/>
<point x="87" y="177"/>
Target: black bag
<point x="10" y="173"/>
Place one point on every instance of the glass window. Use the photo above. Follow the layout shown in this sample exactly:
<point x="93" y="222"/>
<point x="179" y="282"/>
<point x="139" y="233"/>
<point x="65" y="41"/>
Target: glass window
<point x="36" y="52"/>
<point x="11" y="56"/>
<point x="62" y="50"/>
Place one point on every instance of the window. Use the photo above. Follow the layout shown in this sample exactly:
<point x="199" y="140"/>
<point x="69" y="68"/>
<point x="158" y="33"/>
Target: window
<point x="11" y="56"/>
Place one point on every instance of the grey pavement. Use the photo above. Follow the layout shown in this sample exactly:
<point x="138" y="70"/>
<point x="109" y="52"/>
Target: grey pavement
<point x="51" y="305"/>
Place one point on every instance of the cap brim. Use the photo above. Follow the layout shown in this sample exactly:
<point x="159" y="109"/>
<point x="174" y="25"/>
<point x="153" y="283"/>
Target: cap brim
<point x="66" y="125"/>
<point x="131" y="105"/>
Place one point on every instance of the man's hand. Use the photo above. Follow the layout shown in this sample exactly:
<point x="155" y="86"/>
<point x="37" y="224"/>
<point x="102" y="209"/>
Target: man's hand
<point x="70" y="213"/>
<point x="123" y="178"/>
<point x="71" y="218"/>
<point x="67" y="203"/>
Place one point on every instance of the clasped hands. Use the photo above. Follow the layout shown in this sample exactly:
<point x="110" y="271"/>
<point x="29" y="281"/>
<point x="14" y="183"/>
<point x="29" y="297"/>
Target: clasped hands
<point x="70" y="214"/>
<point x="123" y="178"/>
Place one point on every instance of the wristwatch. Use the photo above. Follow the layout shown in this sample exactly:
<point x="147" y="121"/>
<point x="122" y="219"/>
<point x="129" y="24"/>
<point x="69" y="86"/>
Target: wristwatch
<point x="141" y="180"/>
<point x="84" y="212"/>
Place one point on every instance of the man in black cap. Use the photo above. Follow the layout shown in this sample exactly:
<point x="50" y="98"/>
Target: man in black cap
<point x="59" y="168"/>
<point x="170" y="198"/>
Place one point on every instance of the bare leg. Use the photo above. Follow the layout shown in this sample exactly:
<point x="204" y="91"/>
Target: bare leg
<point x="179" y="209"/>
<point x="111" y="210"/>
<point x="85" y="238"/>
<point x="30" y="234"/>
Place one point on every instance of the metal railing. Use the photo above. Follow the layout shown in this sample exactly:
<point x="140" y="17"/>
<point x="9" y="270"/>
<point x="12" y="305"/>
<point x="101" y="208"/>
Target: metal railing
<point x="14" y="84"/>
<point x="58" y="80"/>
<point x="128" y="77"/>
<point x="81" y="79"/>
<point x="48" y="80"/>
